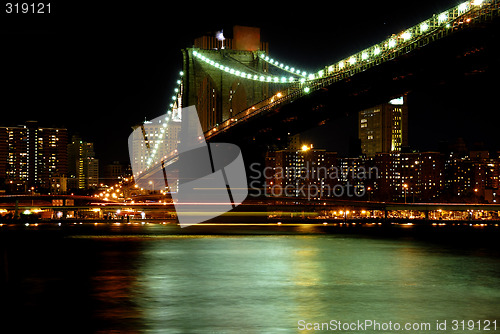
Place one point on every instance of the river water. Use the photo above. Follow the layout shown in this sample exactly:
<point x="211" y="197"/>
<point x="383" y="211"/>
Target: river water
<point x="243" y="283"/>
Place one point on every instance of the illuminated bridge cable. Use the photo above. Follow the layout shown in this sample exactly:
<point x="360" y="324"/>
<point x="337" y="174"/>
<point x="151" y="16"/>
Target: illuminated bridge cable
<point x="242" y="74"/>
<point x="154" y="149"/>
<point x="286" y="68"/>
<point x="443" y="20"/>
<point x="250" y="69"/>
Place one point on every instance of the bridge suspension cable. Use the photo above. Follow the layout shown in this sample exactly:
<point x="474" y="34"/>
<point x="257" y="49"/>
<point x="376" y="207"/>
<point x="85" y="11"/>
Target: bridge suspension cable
<point x="242" y="74"/>
<point x="280" y="65"/>
<point x="153" y="145"/>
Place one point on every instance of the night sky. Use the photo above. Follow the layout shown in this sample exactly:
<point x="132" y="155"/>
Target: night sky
<point x="98" y="69"/>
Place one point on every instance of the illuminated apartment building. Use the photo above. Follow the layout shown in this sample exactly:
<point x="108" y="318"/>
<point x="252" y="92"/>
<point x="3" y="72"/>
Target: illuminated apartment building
<point x="83" y="167"/>
<point x="414" y="177"/>
<point x="30" y="156"/>
<point x="384" y="128"/>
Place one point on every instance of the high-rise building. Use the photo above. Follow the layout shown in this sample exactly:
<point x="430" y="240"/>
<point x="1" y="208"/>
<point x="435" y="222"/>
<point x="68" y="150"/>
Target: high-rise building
<point x="30" y="156"/>
<point x="83" y="167"/>
<point x="152" y="143"/>
<point x="384" y="128"/>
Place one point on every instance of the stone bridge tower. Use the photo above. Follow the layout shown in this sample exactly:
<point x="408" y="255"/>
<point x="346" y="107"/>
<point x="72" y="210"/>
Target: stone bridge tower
<point x="217" y="94"/>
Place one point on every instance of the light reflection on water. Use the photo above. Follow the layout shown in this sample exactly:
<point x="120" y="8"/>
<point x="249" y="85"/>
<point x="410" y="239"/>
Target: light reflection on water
<point x="242" y="283"/>
<point x="265" y="284"/>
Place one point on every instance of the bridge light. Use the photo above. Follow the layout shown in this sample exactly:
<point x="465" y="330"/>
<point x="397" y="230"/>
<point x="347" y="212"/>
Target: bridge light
<point x="181" y="73"/>
<point x="392" y="43"/>
<point x="463" y="7"/>
<point x="307" y="90"/>
<point x="302" y="80"/>
<point x="298" y="72"/>
<point x="283" y="79"/>
<point x="442" y="17"/>
<point x="352" y="60"/>
<point x="321" y="73"/>
<point x="291" y="79"/>
<point x="304" y="73"/>
<point x="364" y="56"/>
<point x="478" y="2"/>
<point x="406" y="35"/>
<point x="424" y="26"/>
<point x="310" y="76"/>
<point x="276" y="79"/>
<point x="262" y="78"/>
<point x="341" y="65"/>
<point x="376" y="51"/>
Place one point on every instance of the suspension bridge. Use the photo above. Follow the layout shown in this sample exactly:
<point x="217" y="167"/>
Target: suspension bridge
<point x="234" y="87"/>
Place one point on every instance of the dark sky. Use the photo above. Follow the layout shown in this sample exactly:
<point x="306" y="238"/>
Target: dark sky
<point x="99" y="68"/>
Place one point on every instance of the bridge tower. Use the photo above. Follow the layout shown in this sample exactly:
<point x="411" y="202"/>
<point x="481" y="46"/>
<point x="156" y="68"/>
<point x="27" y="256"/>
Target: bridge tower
<point x="217" y="94"/>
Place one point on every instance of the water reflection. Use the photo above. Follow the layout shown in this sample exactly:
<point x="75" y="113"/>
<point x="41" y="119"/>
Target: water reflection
<point x="238" y="284"/>
<point x="267" y="283"/>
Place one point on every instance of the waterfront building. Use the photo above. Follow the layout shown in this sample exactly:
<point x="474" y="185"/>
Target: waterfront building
<point x="83" y="167"/>
<point x="410" y="177"/>
<point x="30" y="156"/>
